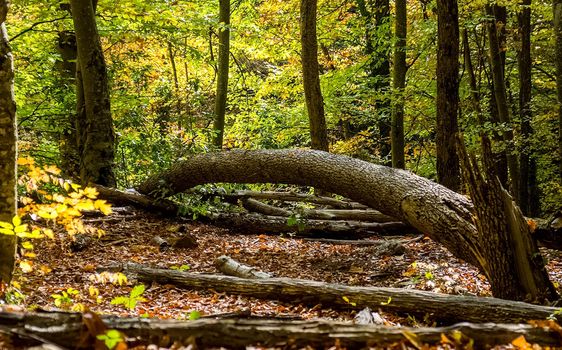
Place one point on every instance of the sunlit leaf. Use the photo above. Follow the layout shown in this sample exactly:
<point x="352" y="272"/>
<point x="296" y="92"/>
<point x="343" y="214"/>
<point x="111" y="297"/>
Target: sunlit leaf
<point x="26" y="266"/>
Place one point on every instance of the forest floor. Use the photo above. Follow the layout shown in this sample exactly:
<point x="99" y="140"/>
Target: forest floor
<point x="425" y="265"/>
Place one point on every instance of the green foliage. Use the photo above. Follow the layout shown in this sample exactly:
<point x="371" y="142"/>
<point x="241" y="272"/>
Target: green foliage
<point x="194" y="315"/>
<point x="111" y="338"/>
<point x="66" y="298"/>
<point x="130" y="301"/>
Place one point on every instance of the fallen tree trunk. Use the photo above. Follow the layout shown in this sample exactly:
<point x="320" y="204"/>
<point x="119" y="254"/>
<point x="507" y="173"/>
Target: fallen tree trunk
<point x="68" y="330"/>
<point x="442" y="214"/>
<point x="231" y="267"/>
<point x="294" y="197"/>
<point x="138" y="200"/>
<point x="446" y="308"/>
<point x="255" y="224"/>
<point x="322" y="214"/>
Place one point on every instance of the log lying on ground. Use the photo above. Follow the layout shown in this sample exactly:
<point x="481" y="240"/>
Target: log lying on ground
<point x="255" y="224"/>
<point x="322" y="214"/>
<point x="294" y="197"/>
<point x="447" y="308"/>
<point x="138" y="200"/>
<point x="231" y="267"/>
<point x="67" y="329"/>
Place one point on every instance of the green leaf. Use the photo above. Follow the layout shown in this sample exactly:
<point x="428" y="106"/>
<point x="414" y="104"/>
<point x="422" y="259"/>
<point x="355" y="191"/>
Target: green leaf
<point x="194" y="315"/>
<point x="137" y="291"/>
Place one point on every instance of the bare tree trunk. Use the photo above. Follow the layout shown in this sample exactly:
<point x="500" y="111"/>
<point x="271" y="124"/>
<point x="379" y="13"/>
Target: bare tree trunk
<point x="70" y="156"/>
<point x="501" y="101"/>
<point x="97" y="158"/>
<point x="311" y="77"/>
<point x="398" y="84"/>
<point x="472" y="78"/>
<point x="517" y="271"/>
<point x="448" y="171"/>
<point x="378" y="69"/>
<point x="222" y="77"/>
<point x="524" y="65"/>
<point x="8" y="149"/>
<point x="557" y="9"/>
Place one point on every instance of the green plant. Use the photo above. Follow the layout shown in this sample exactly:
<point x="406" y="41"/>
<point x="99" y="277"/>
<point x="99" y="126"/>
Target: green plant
<point x="194" y="315"/>
<point x="180" y="268"/>
<point x="65" y="298"/>
<point x="111" y="338"/>
<point x="130" y="302"/>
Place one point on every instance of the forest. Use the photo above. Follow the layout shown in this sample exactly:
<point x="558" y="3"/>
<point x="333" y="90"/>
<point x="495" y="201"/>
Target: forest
<point x="283" y="174"/>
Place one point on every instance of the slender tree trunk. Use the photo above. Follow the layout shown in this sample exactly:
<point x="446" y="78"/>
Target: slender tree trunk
<point x="557" y="9"/>
<point x="501" y="101"/>
<point x="524" y="64"/>
<point x="173" y="62"/>
<point x="70" y="154"/>
<point x="311" y="77"/>
<point x="378" y="69"/>
<point x="468" y="66"/>
<point x="448" y="170"/>
<point x="222" y="74"/>
<point x="8" y="149"/>
<point x="398" y="84"/>
<point x="97" y="157"/>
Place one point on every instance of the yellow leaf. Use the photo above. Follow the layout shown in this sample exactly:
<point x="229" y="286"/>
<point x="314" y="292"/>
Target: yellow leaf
<point x="58" y="198"/>
<point x="66" y="186"/>
<point x="91" y="192"/>
<point x="6" y="225"/>
<point x="49" y="233"/>
<point x="30" y="255"/>
<point x="16" y="284"/>
<point x="102" y="206"/>
<point x="16" y="221"/>
<point x="75" y="187"/>
<point x="445" y="340"/>
<point x="61" y="208"/>
<point x="7" y="232"/>
<point x="26" y="266"/>
<point x="521" y="343"/>
<point x="25" y="161"/>
<point x="94" y="292"/>
<point x="45" y="269"/>
<point x="51" y="214"/>
<point x="52" y="169"/>
<point x="84" y="205"/>
<point x="20" y="229"/>
<point x="413" y="338"/>
<point x="73" y="212"/>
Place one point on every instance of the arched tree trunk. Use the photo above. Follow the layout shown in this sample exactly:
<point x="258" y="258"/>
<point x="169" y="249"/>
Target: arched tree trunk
<point x="98" y="138"/>
<point x="445" y="216"/>
<point x="222" y="72"/>
<point x="8" y="153"/>
<point x="311" y="77"/>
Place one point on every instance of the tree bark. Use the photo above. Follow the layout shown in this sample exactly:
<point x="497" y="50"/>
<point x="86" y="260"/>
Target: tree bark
<point x="448" y="171"/>
<point x="70" y="155"/>
<point x="255" y="223"/>
<point x="398" y="85"/>
<point x="500" y="96"/>
<point x="222" y="73"/>
<point x="8" y="149"/>
<point x="294" y="197"/>
<point x="67" y="330"/>
<point x="311" y="77"/>
<point x="231" y="267"/>
<point x="557" y="10"/>
<point x="378" y="68"/>
<point x="97" y="157"/>
<point x="443" y="307"/>
<point x="524" y="66"/>
<point x="321" y="214"/>
<point x="517" y="270"/>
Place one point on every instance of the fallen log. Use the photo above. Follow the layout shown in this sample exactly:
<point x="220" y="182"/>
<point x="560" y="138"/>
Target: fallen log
<point x="231" y="267"/>
<point x="294" y="197"/>
<point x="68" y="330"/>
<point x="323" y="214"/>
<point x="256" y="224"/>
<point x="446" y="308"/>
<point x="136" y="199"/>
